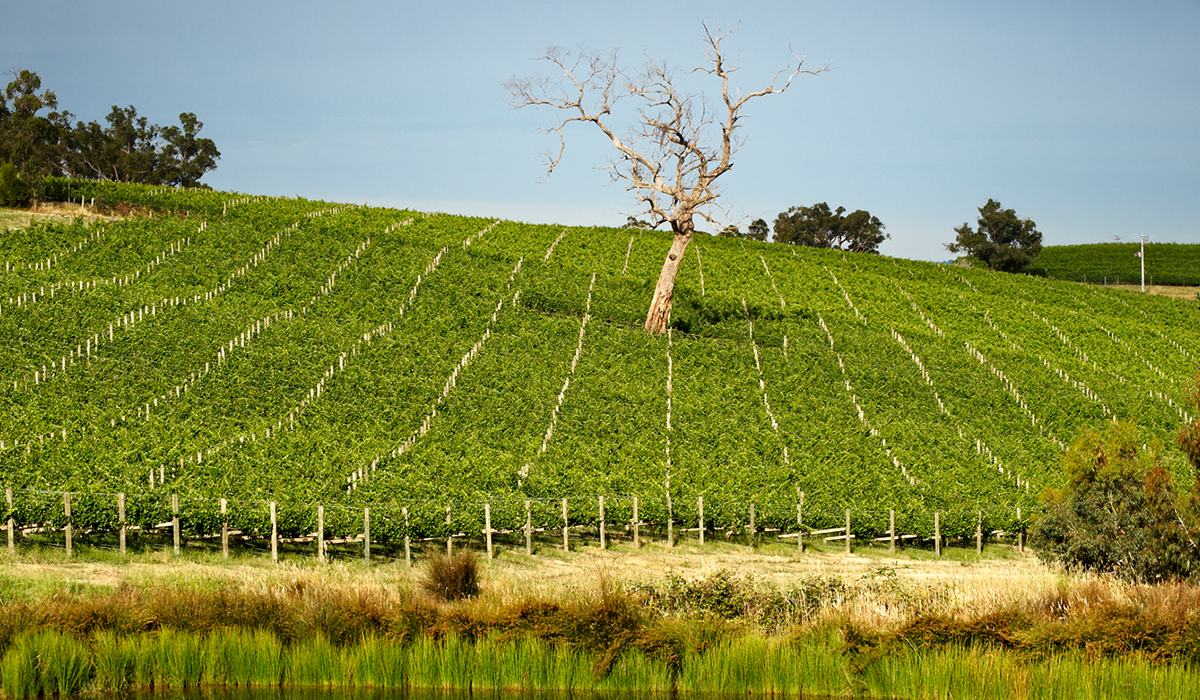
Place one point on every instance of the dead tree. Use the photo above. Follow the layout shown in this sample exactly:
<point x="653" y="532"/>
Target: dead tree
<point x="677" y="147"/>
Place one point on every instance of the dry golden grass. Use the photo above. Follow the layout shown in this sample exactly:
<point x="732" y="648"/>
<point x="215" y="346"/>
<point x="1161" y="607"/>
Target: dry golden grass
<point x="880" y="590"/>
<point x="1175" y="292"/>
<point x="47" y="211"/>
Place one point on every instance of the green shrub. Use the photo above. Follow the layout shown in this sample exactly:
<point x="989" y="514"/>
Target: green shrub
<point x="14" y="192"/>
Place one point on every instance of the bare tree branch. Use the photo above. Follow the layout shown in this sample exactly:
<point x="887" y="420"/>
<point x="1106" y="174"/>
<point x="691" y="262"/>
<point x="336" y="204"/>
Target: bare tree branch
<point x="678" y="146"/>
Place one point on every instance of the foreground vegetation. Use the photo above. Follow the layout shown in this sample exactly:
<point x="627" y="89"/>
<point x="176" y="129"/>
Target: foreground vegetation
<point x="311" y="354"/>
<point x="901" y="629"/>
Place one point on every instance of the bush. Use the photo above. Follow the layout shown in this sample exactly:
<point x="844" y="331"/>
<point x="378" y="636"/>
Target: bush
<point x="1119" y="511"/>
<point x="452" y="577"/>
<point x="13" y="190"/>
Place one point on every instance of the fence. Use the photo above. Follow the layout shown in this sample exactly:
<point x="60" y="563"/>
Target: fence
<point x="514" y="522"/>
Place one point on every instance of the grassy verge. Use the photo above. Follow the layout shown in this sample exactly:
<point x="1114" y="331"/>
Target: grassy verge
<point x="722" y="619"/>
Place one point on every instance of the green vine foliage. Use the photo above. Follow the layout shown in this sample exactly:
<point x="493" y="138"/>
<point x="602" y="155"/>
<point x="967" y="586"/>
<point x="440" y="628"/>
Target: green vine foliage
<point x="221" y="345"/>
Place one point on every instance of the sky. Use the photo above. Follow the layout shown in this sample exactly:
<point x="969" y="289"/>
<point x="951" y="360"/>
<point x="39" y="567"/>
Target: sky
<point x="1082" y="116"/>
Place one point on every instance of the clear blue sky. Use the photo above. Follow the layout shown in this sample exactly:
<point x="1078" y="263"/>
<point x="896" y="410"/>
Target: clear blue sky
<point x="1084" y="116"/>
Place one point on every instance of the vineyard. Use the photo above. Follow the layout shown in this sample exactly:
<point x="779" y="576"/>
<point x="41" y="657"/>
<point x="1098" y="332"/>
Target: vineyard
<point x="1117" y="263"/>
<point x="297" y="358"/>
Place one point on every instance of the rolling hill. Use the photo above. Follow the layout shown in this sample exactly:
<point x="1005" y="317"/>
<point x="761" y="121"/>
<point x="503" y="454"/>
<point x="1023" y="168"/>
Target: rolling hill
<point x="257" y="349"/>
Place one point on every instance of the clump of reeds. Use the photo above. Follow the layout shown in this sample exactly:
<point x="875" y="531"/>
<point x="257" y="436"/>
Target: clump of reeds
<point x="451" y="577"/>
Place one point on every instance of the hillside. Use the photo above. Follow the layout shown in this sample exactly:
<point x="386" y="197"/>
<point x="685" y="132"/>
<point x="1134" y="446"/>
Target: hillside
<point x="1118" y="263"/>
<point x="283" y="349"/>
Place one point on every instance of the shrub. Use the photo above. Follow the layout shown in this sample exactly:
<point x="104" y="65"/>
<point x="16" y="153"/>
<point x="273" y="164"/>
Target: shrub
<point x="1119" y="511"/>
<point x="13" y="190"/>
<point x="452" y="576"/>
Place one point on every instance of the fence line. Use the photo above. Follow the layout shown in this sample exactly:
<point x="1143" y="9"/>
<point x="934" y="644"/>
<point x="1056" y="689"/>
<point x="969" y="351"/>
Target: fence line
<point x="742" y="520"/>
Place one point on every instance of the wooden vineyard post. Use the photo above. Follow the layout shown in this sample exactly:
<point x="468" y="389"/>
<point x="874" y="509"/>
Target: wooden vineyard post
<point x="1020" y="532"/>
<point x="407" y="538"/>
<point x="670" y="527"/>
<point x="800" y="525"/>
<point x="321" y="533"/>
<point x="274" y="534"/>
<point x="12" y="543"/>
<point x="67" y="515"/>
<point x="602" y="542"/>
<point x="937" y="533"/>
<point x="175" y="522"/>
<point x="367" y="535"/>
<point x="224" y="529"/>
<point x="700" y="517"/>
<point x="753" y="532"/>
<point x="487" y="527"/>
<point x="847" y="531"/>
<point x="528" y="531"/>
<point x="637" y="524"/>
<point x="892" y="531"/>
<point x="566" y="533"/>
<point x="979" y="533"/>
<point x="121" y="519"/>
<point x="449" y="535"/>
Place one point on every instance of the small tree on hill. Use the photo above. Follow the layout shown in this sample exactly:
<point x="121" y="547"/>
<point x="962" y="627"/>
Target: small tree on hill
<point x="677" y="147"/>
<point x="819" y="227"/>
<point x="1002" y="240"/>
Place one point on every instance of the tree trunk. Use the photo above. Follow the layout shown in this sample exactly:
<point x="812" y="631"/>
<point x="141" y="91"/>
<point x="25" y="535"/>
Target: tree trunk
<point x="664" y="291"/>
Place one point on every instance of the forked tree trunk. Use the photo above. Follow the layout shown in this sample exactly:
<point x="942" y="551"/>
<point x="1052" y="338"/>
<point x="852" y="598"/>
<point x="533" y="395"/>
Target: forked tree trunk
<point x="664" y="291"/>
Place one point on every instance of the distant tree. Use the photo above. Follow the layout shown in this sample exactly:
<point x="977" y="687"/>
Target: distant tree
<point x="731" y="231"/>
<point x="820" y="227"/>
<point x="677" y="145"/>
<point x="758" y="230"/>
<point x="127" y="149"/>
<point x="634" y="222"/>
<point x="1002" y="241"/>
<point x="28" y="138"/>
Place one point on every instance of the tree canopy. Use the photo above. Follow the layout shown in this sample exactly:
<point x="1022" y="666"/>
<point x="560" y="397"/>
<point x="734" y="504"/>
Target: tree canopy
<point x="820" y="227"/>
<point x="1003" y="241"/>
<point x="39" y="140"/>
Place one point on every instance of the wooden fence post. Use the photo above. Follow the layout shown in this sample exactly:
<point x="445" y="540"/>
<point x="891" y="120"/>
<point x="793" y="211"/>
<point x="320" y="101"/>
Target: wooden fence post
<point x="321" y="533"/>
<point x="274" y="534"/>
<point x="800" y="525"/>
<point x="224" y="528"/>
<point x="892" y="531"/>
<point x="407" y="538"/>
<point x="487" y="527"/>
<point x="175" y="521"/>
<point x="121" y="518"/>
<point x="753" y="528"/>
<point x="67" y="515"/>
<point x="449" y="535"/>
<point x="1020" y="532"/>
<point x="367" y="535"/>
<point x="700" y="511"/>
<point x="12" y="543"/>
<point x="670" y="527"/>
<point x="566" y="534"/>
<point x="847" y="531"/>
<point x="637" y="524"/>
<point x="602" y="542"/>
<point x="937" y="533"/>
<point x="979" y="533"/>
<point x="528" y="531"/>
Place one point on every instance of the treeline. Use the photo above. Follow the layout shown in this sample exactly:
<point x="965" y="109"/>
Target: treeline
<point x="37" y="140"/>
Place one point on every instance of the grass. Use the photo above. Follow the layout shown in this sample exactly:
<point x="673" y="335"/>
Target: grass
<point x="722" y="619"/>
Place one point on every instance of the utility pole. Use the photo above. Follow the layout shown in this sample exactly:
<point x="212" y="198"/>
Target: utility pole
<point x="1142" y="254"/>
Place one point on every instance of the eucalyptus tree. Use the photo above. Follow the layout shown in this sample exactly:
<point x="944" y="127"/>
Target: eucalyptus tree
<point x="677" y="144"/>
